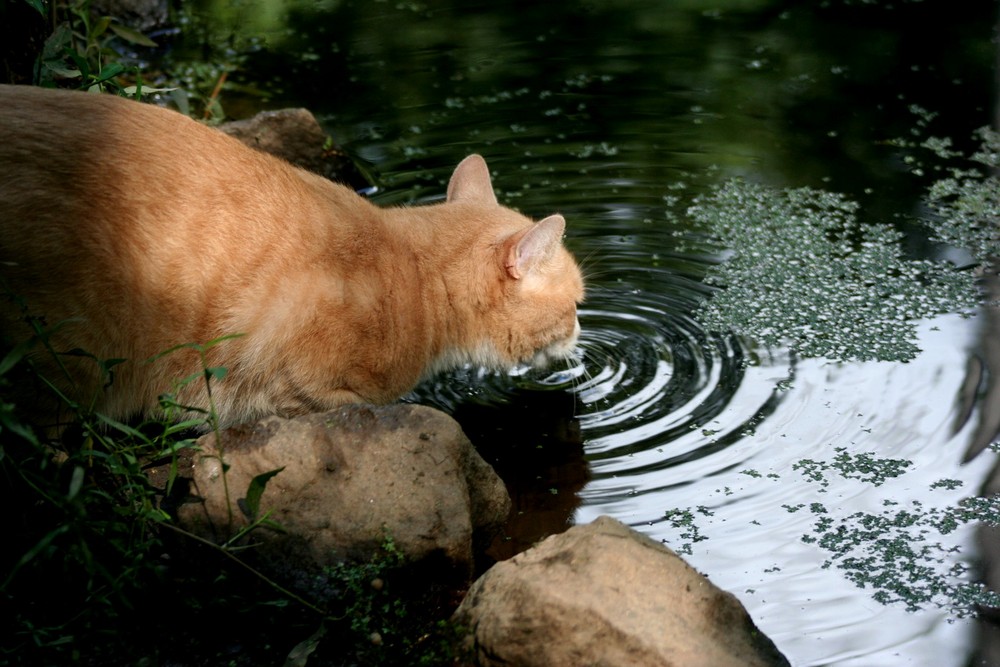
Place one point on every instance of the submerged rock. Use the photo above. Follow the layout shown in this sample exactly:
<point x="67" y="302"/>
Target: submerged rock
<point x="602" y="594"/>
<point x="349" y="479"/>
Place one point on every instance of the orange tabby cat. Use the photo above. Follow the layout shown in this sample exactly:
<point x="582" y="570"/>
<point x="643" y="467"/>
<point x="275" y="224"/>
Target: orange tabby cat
<point x="127" y="229"/>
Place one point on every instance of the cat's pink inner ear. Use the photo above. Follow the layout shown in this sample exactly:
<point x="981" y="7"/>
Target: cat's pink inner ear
<point x="471" y="182"/>
<point x="535" y="246"/>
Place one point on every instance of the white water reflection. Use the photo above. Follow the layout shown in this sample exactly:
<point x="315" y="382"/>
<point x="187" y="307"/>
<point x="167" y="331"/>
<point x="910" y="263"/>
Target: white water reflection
<point x="753" y="546"/>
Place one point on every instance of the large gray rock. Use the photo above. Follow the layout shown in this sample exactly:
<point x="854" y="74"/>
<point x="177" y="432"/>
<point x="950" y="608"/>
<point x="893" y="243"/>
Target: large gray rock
<point x="350" y="478"/>
<point x="602" y="594"/>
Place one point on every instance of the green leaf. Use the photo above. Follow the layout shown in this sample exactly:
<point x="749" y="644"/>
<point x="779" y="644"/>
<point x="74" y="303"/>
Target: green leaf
<point x="100" y="27"/>
<point x="108" y="364"/>
<point x="146" y="90"/>
<point x="183" y="426"/>
<point x="37" y="5"/>
<point x="10" y="421"/>
<point x="174" y="448"/>
<point x="75" y="483"/>
<point x="183" y="382"/>
<point x="41" y="546"/>
<point x="15" y="355"/>
<point x="58" y="42"/>
<point x="199" y="347"/>
<point x="299" y="655"/>
<point x="80" y="62"/>
<point x="131" y="35"/>
<point x="119" y="426"/>
<point x="216" y="372"/>
<point x="221" y="339"/>
<point x="63" y="72"/>
<point x="111" y="71"/>
<point x="256" y="490"/>
<point x="267" y="522"/>
<point x="80" y="352"/>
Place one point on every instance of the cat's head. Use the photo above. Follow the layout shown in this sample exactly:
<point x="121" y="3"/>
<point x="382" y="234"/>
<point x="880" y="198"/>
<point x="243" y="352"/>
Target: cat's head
<point x="533" y="282"/>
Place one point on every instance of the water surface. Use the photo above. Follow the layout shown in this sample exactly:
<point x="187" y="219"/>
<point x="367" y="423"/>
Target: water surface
<point x="754" y="463"/>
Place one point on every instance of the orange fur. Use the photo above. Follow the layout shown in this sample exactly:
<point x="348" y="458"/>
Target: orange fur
<point x="131" y="229"/>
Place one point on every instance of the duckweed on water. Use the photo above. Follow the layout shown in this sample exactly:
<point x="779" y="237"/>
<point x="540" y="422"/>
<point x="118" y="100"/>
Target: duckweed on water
<point x="684" y="520"/>
<point x="966" y="204"/>
<point x="864" y="467"/>
<point x="898" y="553"/>
<point x="803" y="270"/>
<point x="894" y="553"/>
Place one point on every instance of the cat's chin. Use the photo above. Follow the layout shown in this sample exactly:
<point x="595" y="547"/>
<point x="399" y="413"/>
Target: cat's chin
<point x="489" y="359"/>
<point x="562" y="350"/>
<point x="546" y="359"/>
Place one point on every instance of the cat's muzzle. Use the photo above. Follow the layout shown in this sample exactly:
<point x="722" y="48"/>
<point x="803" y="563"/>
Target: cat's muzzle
<point x="561" y="349"/>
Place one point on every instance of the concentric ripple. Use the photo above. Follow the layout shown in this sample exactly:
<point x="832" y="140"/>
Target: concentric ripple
<point x="651" y="389"/>
<point x="664" y="401"/>
<point x="651" y="373"/>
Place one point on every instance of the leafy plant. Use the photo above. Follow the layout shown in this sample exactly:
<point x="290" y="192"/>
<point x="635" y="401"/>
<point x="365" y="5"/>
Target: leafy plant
<point x="81" y="50"/>
<point x="85" y="530"/>
<point x="379" y="616"/>
<point x="102" y="54"/>
<point x="90" y="545"/>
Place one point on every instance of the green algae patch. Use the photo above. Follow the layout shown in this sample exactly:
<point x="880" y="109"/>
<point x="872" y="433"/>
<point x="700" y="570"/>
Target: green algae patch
<point x="901" y="552"/>
<point x="894" y="553"/>
<point x="684" y="520"/>
<point x="866" y="467"/>
<point x="802" y="270"/>
<point x="965" y="204"/>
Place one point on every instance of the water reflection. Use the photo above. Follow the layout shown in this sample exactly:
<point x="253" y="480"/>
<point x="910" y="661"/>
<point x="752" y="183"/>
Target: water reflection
<point x="744" y="534"/>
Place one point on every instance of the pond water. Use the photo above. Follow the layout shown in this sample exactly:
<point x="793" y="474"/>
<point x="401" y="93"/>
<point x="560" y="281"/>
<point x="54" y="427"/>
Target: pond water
<point x="810" y="488"/>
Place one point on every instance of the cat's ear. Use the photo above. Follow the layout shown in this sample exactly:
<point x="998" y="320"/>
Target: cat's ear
<point x="471" y="182"/>
<point x="532" y="247"/>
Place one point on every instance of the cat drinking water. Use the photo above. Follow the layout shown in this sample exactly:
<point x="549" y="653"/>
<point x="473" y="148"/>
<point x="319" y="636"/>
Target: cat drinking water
<point x="127" y="229"/>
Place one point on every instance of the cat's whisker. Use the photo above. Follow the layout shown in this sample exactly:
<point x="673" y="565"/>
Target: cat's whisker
<point x="592" y="259"/>
<point x="584" y="262"/>
<point x="584" y="378"/>
<point x="587" y="269"/>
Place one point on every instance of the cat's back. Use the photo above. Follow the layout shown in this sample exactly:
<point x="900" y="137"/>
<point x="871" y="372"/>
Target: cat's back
<point x="71" y="133"/>
<point x="105" y="199"/>
<point x="101" y="146"/>
<point x="129" y="229"/>
<point x="106" y="177"/>
<point x="67" y="155"/>
<point x="32" y="116"/>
